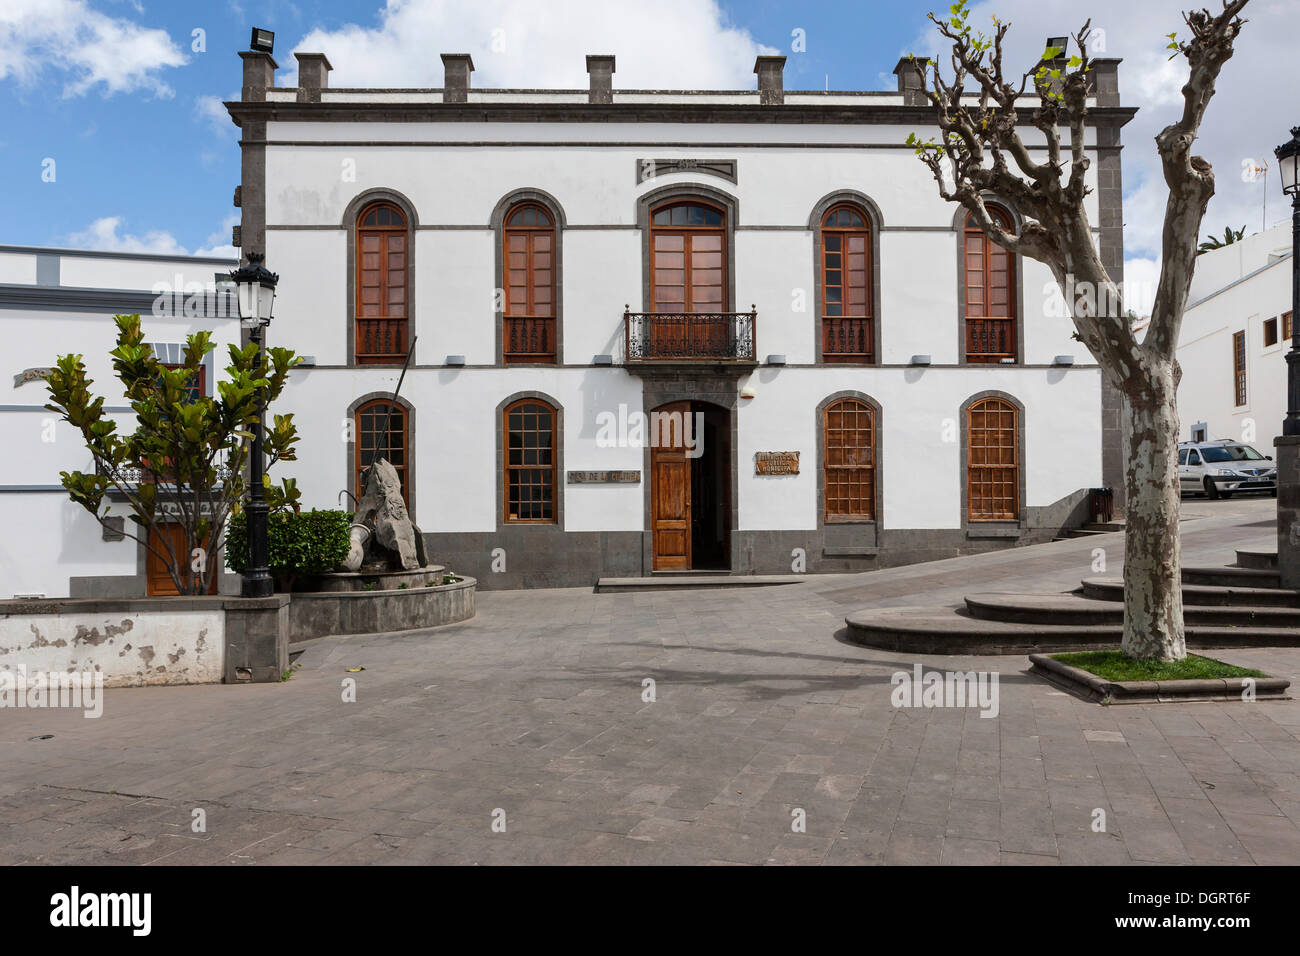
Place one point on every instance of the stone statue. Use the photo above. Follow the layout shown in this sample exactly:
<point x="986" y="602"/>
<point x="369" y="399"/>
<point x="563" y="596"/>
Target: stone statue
<point x="382" y="532"/>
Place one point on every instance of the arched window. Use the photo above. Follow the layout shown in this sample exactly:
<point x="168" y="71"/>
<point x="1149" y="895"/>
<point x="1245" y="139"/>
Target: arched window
<point x="530" y="456"/>
<point x="688" y="258"/>
<point x="992" y="460"/>
<point x="380" y="434"/>
<point x="849" y="457"/>
<point x="990" y="285"/>
<point x="847" y="334"/>
<point x="382" y="283"/>
<point x="528" y="329"/>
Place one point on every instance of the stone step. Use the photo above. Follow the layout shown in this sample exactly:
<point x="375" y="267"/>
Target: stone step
<point x="686" y="581"/>
<point x="1112" y="589"/>
<point x="1073" y="609"/>
<point x="1259" y="560"/>
<point x="1084" y="532"/>
<point x="1104" y="527"/>
<point x="1227" y="577"/>
<point x="934" y="630"/>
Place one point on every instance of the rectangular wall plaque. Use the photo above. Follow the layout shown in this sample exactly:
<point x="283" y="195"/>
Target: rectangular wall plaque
<point x="604" y="477"/>
<point x="776" y="463"/>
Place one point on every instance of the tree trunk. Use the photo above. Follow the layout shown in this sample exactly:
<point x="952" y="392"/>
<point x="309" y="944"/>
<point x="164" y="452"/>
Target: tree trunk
<point x="1153" y="594"/>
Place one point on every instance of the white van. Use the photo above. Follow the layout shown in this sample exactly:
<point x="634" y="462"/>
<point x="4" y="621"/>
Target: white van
<point x="1220" y="468"/>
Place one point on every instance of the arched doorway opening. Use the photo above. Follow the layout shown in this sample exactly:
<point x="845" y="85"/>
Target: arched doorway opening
<point x="690" y="487"/>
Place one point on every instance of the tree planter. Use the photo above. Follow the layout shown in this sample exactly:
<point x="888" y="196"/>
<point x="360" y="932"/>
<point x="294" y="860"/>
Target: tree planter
<point x="1104" y="691"/>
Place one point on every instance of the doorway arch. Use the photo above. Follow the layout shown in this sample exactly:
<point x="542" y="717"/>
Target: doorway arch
<point x="691" y="488"/>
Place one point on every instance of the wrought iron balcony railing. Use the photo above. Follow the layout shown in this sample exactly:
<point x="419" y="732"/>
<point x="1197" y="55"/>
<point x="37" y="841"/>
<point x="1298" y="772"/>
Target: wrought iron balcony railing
<point x="990" y="340"/>
<point x="690" y="336"/>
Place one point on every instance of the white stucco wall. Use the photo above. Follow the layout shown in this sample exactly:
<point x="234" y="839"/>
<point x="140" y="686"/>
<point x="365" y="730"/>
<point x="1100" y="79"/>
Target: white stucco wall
<point x="129" y="649"/>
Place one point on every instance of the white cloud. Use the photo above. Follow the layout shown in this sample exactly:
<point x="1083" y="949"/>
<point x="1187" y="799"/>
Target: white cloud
<point x="1251" y="113"/>
<point x="88" y="47"/>
<point x="103" y="235"/>
<point x="671" y="43"/>
<point x="210" y="110"/>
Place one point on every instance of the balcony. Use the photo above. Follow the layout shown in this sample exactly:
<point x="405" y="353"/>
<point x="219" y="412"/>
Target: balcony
<point x="691" y="338"/>
<point x="381" y="341"/>
<point x="989" y="341"/>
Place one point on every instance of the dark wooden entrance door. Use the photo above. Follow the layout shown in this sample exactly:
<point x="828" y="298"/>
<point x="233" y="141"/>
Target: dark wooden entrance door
<point x="158" y="580"/>
<point x="670" y="489"/>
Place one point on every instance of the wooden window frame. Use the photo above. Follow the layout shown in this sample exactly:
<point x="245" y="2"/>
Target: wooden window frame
<point x="1011" y="321"/>
<point x="549" y="327"/>
<point x="402" y="323"/>
<point x="720" y="230"/>
<point x="868" y="319"/>
<point x="828" y="469"/>
<point x="507" y="468"/>
<point x="1240" y="395"/>
<point x="1286" y="326"/>
<point x="973" y="469"/>
<point x="358" y="465"/>
<point x="1270" y="332"/>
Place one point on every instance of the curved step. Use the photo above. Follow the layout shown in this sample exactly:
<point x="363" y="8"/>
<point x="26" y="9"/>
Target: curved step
<point x="1258" y="560"/>
<point x="1112" y="589"/>
<point x="1074" y="609"/>
<point x="1224" y="577"/>
<point x="934" y="630"/>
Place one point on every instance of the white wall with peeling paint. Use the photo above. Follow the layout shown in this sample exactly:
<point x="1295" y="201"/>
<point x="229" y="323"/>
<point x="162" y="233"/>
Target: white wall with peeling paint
<point x="129" y="649"/>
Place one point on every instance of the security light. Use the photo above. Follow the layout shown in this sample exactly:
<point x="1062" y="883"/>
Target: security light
<point x="262" y="41"/>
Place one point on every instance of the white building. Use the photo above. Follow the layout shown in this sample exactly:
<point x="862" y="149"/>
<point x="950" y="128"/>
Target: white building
<point x="59" y="301"/>
<point x="874" y="384"/>
<point x="1235" y="335"/>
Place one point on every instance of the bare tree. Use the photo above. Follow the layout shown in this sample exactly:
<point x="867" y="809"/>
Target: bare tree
<point x="980" y="153"/>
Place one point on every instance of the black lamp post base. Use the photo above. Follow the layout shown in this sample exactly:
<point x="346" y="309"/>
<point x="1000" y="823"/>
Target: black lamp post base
<point x="257" y="587"/>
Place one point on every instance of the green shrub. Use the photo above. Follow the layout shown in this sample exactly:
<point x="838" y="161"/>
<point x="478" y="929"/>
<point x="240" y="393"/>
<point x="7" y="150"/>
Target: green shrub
<point x="306" y="542"/>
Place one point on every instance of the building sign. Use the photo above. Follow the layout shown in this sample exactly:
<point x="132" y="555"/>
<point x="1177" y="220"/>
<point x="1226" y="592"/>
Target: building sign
<point x="604" y="477"/>
<point x="32" y="375"/>
<point x="776" y="463"/>
<point x="648" y="169"/>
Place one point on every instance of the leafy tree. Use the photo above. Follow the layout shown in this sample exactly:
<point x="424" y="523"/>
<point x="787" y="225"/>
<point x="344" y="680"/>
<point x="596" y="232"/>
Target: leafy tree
<point x="1230" y="236"/>
<point x="184" y="464"/>
<point x="980" y="152"/>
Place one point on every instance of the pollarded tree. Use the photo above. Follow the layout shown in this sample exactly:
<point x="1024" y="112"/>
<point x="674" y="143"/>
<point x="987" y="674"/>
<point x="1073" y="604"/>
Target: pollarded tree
<point x="980" y="152"/>
<point x="184" y="464"/>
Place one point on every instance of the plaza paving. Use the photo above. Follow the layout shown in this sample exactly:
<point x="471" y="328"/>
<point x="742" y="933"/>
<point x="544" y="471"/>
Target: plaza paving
<point x="536" y="708"/>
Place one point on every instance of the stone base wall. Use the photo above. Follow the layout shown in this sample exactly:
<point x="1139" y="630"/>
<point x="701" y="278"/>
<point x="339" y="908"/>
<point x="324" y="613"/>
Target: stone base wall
<point x="323" y="613"/>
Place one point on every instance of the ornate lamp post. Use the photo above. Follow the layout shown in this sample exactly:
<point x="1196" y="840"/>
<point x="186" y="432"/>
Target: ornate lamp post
<point x="1288" y="445"/>
<point x="256" y="287"/>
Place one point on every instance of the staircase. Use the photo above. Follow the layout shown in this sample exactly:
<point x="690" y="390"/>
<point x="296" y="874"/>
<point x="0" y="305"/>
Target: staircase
<point x="1238" y="606"/>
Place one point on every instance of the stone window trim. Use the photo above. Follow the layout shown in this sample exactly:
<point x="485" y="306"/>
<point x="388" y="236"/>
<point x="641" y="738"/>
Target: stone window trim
<point x="500" y="473"/>
<point x="497" y="224"/>
<point x="876" y="223"/>
<point x="959" y="233"/>
<point x="819" y="435"/>
<point x="964" y="429"/>
<point x="411" y="446"/>
<point x="350" y="223"/>
<point x="686" y="191"/>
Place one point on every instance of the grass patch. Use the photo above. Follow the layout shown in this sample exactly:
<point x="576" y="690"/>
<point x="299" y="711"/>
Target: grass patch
<point x="1114" y="666"/>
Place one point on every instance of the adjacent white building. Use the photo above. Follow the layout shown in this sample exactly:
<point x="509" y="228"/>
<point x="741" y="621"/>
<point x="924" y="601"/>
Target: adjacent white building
<point x="1235" y="335"/>
<point x="59" y="301"/>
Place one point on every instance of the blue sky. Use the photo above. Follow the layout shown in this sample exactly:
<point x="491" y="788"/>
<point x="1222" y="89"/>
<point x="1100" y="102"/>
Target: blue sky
<point x="123" y="95"/>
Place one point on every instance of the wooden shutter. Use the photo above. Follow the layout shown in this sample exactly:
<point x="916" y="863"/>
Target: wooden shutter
<point x="382" y="283"/>
<point x="849" y="450"/>
<point x="992" y="461"/>
<point x="990" y="305"/>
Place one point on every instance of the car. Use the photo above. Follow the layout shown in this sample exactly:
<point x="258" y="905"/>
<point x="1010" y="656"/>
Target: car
<point x="1221" y="468"/>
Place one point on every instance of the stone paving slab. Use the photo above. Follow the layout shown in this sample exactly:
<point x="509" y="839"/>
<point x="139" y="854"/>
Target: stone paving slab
<point x="766" y="741"/>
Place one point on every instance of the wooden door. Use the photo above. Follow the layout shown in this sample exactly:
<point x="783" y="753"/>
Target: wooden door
<point x="158" y="581"/>
<point x="670" y="490"/>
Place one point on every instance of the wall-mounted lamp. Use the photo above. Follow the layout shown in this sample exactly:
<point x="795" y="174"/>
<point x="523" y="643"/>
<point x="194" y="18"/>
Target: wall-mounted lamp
<point x="920" y="360"/>
<point x="776" y="359"/>
<point x="747" y="392"/>
<point x="1063" y="360"/>
<point x="602" y="360"/>
<point x="455" y="360"/>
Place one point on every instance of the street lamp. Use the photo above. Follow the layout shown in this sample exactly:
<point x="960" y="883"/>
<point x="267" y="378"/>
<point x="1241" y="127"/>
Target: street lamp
<point x="256" y="293"/>
<point x="1288" y="164"/>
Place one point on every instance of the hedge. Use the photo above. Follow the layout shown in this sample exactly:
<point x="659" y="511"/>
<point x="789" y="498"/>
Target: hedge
<point x="305" y="542"/>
